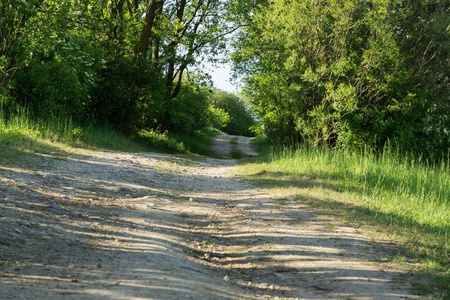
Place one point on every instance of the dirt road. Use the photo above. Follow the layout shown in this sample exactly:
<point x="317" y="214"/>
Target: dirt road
<point x="111" y="225"/>
<point x="222" y="145"/>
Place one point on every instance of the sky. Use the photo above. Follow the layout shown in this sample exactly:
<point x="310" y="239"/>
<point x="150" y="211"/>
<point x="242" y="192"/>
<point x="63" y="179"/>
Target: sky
<point x="221" y="75"/>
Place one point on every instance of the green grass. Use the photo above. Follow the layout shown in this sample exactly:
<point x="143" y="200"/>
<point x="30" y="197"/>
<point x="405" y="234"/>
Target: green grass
<point x="19" y="133"/>
<point x="406" y="198"/>
<point x="199" y="142"/>
<point x="234" y="141"/>
<point x="235" y="152"/>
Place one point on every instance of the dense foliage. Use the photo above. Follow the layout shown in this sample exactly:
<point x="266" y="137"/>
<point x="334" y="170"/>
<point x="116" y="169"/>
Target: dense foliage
<point x="350" y="73"/>
<point x="240" y="117"/>
<point x="120" y="63"/>
<point x="344" y="73"/>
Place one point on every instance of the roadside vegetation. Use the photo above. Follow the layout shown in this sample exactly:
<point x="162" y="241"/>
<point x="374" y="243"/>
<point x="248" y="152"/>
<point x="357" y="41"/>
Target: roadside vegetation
<point x="20" y="133"/>
<point x="235" y="152"/>
<point x="388" y="193"/>
<point x="343" y="79"/>
<point x="118" y="75"/>
<point x="350" y="74"/>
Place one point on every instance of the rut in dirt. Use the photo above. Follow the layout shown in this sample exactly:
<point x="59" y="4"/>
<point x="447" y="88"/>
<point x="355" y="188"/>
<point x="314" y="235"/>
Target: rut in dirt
<point x="111" y="225"/>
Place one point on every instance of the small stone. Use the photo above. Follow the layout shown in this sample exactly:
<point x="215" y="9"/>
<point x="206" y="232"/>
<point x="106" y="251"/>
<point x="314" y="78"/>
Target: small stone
<point x="226" y="278"/>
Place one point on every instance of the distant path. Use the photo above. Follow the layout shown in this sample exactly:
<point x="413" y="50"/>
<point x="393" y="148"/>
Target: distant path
<point x="222" y="145"/>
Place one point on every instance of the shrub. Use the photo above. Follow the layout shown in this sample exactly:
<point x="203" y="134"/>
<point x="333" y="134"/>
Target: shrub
<point x="127" y="95"/>
<point x="51" y="89"/>
<point x="218" y="117"/>
<point x="240" y="117"/>
<point x="189" y="110"/>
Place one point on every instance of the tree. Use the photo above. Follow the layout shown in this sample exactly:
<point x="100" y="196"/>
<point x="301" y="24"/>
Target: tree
<point x="240" y="117"/>
<point x="346" y="73"/>
<point x="188" y="29"/>
<point x="14" y="24"/>
<point x="123" y="61"/>
<point x="153" y="12"/>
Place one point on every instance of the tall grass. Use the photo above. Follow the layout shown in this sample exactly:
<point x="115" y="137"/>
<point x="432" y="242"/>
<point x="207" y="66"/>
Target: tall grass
<point x="236" y="153"/>
<point x="198" y="142"/>
<point x="406" y="197"/>
<point x="20" y="131"/>
<point x="390" y="183"/>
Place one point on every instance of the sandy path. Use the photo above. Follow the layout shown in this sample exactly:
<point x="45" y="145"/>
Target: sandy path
<point x="110" y="225"/>
<point x="222" y="145"/>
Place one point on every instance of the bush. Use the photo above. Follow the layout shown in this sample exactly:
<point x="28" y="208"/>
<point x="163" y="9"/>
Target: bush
<point x="160" y="141"/>
<point x="127" y="96"/>
<point x="51" y="89"/>
<point x="241" y="120"/>
<point x="218" y="117"/>
<point x="189" y="110"/>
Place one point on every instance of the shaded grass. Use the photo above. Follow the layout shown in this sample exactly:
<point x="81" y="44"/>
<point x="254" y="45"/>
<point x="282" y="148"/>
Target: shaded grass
<point x="198" y="142"/>
<point x="51" y="135"/>
<point x="19" y="133"/>
<point x="405" y="198"/>
<point x="235" y="152"/>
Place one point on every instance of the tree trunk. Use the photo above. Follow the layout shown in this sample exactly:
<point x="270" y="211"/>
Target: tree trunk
<point x="153" y="8"/>
<point x="117" y="13"/>
<point x="156" y="43"/>
<point x="170" y="93"/>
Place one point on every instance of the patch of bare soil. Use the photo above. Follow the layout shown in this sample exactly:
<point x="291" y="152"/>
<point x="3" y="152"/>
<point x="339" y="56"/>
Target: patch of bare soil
<point x="110" y="225"/>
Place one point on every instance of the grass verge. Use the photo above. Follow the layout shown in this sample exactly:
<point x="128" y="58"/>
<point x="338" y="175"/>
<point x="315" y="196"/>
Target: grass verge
<point x="199" y="142"/>
<point x="21" y="134"/>
<point x="406" y="199"/>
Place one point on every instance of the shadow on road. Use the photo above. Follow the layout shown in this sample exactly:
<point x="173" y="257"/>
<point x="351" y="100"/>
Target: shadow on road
<point x="123" y="226"/>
